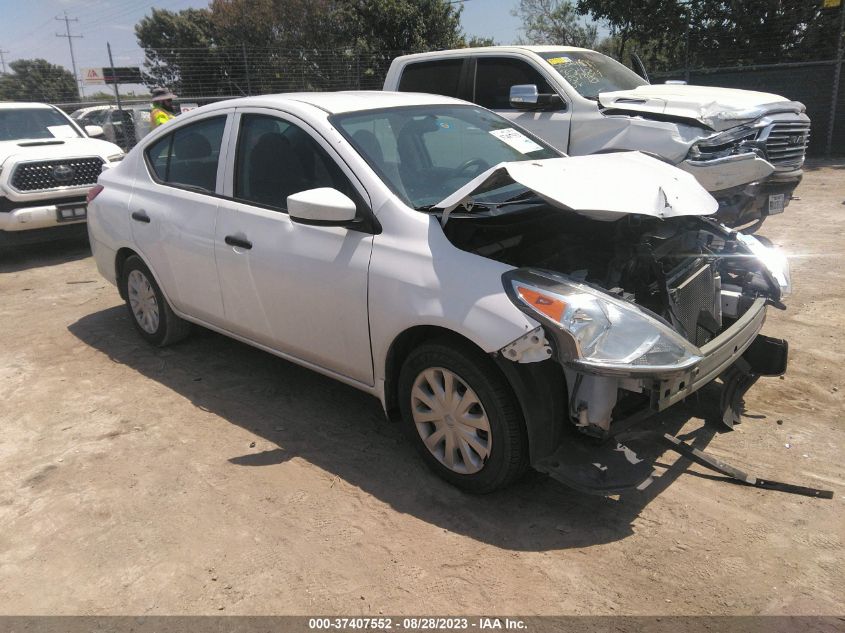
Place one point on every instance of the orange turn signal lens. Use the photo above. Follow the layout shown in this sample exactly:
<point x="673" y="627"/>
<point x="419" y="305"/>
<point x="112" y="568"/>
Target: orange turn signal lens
<point x="550" y="306"/>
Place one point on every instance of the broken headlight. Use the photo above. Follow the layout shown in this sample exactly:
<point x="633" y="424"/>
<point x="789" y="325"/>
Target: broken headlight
<point x="594" y="328"/>
<point x="723" y="144"/>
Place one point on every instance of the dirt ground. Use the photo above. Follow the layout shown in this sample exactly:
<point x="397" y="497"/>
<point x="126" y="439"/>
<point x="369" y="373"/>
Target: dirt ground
<point x="211" y="477"/>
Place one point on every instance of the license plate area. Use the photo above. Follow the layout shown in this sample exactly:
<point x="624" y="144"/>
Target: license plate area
<point x="776" y="205"/>
<point x="71" y="212"/>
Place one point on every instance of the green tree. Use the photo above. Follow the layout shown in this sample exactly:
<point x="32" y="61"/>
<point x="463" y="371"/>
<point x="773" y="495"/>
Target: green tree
<point x="259" y="46"/>
<point x="478" y="41"/>
<point x="670" y="34"/>
<point x="38" y="80"/>
<point x="555" y="22"/>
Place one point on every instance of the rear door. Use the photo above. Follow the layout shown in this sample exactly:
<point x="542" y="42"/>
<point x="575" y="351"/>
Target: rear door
<point x="300" y="290"/>
<point x="493" y="78"/>
<point x="174" y="211"/>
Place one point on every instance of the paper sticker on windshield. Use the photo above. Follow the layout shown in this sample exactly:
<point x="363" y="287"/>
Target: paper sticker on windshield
<point x="61" y="131"/>
<point x="554" y="61"/>
<point x="517" y="140"/>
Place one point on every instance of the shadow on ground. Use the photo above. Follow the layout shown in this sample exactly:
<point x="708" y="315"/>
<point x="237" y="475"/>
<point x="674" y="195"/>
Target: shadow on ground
<point x="344" y="432"/>
<point x="15" y="258"/>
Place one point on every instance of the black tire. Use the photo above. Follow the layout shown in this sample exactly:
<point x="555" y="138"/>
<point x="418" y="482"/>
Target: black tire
<point x="508" y="451"/>
<point x="169" y="328"/>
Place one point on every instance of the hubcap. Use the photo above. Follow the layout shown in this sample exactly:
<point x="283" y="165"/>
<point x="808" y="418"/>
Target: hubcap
<point x="451" y="421"/>
<point x="142" y="300"/>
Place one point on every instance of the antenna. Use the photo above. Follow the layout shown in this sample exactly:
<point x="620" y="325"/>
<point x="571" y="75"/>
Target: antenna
<point x="70" y="37"/>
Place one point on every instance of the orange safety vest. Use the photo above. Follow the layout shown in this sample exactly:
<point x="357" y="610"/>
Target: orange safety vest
<point x="159" y="116"/>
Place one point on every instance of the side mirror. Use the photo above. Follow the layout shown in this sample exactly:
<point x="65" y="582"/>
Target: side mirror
<point x="94" y="131"/>
<point x="526" y="97"/>
<point x="321" y="207"/>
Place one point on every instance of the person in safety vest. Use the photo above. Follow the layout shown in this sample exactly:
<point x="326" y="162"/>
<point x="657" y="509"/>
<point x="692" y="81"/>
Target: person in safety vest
<point x="163" y="110"/>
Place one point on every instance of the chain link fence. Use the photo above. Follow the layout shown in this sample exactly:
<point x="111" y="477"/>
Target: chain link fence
<point x="203" y="75"/>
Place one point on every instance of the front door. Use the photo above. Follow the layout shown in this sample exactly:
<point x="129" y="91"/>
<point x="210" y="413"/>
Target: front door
<point x="301" y="290"/>
<point x="494" y="77"/>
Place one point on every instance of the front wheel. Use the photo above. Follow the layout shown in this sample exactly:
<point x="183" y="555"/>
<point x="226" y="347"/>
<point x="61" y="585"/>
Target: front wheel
<point x="462" y="415"/>
<point x="151" y="314"/>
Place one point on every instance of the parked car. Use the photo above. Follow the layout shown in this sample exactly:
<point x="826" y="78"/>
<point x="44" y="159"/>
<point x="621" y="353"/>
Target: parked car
<point x="124" y="127"/>
<point x="490" y="292"/>
<point x="48" y="163"/>
<point x="746" y="148"/>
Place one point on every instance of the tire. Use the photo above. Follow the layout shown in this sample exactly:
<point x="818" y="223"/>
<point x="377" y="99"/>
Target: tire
<point x="481" y="460"/>
<point x="151" y="315"/>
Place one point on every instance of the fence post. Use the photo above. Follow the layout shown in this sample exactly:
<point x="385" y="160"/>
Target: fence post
<point x="837" y="71"/>
<point x="246" y="70"/>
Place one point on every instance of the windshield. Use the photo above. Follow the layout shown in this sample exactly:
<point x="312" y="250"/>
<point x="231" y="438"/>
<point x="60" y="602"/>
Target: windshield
<point x="591" y="73"/>
<point x="425" y="153"/>
<point x="34" y="123"/>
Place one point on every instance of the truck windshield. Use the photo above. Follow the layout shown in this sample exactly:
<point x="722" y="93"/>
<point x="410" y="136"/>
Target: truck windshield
<point x="34" y="123"/>
<point x="425" y="153"/>
<point x="592" y="73"/>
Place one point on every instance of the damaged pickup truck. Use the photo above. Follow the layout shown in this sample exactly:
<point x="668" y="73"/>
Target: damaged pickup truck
<point x="511" y="306"/>
<point x="746" y="148"/>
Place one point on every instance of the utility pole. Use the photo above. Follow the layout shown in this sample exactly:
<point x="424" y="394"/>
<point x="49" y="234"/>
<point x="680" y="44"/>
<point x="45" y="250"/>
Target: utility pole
<point x="3" y="60"/>
<point x="70" y="37"/>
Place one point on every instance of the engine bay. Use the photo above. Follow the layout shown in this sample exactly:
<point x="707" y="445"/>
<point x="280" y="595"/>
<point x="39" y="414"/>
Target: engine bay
<point x="691" y="272"/>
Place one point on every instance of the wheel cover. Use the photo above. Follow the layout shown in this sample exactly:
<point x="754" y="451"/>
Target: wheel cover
<point x="451" y="420"/>
<point x="142" y="301"/>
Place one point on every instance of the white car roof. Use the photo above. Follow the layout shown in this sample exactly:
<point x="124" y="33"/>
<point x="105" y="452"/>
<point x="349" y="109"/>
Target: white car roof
<point x="497" y="49"/>
<point x="16" y="105"/>
<point x="337" y="102"/>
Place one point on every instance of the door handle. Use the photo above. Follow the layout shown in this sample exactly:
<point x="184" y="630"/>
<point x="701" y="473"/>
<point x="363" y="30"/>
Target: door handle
<point x="141" y="216"/>
<point x="231" y="240"/>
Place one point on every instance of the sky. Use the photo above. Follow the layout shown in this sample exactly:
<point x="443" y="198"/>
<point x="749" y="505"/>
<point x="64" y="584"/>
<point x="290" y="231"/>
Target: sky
<point x="29" y="27"/>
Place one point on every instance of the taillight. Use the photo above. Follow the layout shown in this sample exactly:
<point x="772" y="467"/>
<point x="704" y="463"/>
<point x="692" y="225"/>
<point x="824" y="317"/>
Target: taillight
<point x="93" y="193"/>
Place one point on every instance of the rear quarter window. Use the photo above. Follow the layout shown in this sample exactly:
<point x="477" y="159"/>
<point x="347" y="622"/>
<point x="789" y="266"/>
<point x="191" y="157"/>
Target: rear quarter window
<point x="441" y="77"/>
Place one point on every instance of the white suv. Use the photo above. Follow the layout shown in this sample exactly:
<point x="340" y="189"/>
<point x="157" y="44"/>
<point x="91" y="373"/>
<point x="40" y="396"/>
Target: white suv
<point x="505" y="300"/>
<point x="48" y="163"/>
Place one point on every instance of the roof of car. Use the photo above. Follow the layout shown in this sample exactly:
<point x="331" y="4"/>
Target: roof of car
<point x="346" y="101"/>
<point x="15" y="105"/>
<point x="517" y="48"/>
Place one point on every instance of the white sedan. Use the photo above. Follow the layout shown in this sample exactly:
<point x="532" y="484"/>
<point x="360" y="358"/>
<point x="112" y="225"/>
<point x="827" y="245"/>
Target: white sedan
<point x="500" y="298"/>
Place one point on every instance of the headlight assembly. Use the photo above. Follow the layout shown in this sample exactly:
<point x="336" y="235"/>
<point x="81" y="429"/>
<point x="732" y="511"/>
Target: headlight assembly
<point x="723" y="144"/>
<point x="773" y="259"/>
<point x="595" y="329"/>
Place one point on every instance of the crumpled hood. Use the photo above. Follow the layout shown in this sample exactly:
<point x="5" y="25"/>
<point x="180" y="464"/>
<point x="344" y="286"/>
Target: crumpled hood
<point x="601" y="186"/>
<point x="717" y="108"/>
<point x="68" y="148"/>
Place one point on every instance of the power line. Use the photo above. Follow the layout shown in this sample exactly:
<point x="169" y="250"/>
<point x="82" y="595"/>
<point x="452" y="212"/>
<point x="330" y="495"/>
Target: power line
<point x="70" y="37"/>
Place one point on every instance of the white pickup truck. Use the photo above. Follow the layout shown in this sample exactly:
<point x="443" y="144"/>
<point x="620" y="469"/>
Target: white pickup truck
<point x="48" y="163"/>
<point x="746" y="148"/>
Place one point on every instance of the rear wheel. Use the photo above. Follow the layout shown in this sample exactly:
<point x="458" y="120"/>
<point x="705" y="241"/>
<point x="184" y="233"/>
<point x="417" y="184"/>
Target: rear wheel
<point x="150" y="312"/>
<point x="462" y="416"/>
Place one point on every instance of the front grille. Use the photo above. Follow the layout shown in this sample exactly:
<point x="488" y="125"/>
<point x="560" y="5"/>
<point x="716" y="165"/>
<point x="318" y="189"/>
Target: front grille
<point x="55" y="174"/>
<point x="786" y="143"/>
<point x="696" y="306"/>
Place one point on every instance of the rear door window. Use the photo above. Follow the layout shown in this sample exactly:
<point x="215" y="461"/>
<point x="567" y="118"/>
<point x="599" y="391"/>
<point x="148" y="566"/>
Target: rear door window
<point x="494" y="77"/>
<point x="189" y="155"/>
<point x="442" y="77"/>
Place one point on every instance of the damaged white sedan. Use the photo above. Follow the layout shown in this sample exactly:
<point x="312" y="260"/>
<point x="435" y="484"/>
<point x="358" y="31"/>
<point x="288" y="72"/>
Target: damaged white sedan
<point x="506" y="302"/>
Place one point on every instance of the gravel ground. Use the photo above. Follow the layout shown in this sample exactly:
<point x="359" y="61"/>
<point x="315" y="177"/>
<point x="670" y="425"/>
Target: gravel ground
<point x="211" y="477"/>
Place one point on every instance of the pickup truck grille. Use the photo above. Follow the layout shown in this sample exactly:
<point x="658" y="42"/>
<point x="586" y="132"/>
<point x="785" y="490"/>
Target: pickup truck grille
<point x="55" y="174"/>
<point x="786" y="143"/>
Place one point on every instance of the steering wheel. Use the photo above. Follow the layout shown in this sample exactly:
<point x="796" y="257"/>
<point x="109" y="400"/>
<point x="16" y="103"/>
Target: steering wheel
<point x="478" y="163"/>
